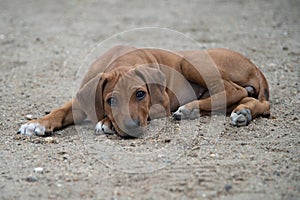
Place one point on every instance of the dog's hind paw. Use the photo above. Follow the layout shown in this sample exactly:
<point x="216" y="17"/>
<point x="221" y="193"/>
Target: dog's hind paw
<point x="105" y="127"/>
<point x="241" y="118"/>
<point x="184" y="113"/>
<point x="31" y="129"/>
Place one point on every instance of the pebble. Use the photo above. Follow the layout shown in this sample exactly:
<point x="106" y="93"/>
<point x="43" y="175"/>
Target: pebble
<point x="167" y="140"/>
<point x="31" y="179"/>
<point x="285" y="48"/>
<point x="272" y="65"/>
<point x="38" y="170"/>
<point x="30" y="117"/>
<point x="50" y="140"/>
<point x="228" y="187"/>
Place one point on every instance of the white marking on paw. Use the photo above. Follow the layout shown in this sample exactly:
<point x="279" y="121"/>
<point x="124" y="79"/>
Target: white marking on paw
<point x="241" y="118"/>
<point x="194" y="114"/>
<point x="32" y="129"/>
<point x="103" y="128"/>
<point x="98" y="128"/>
<point x="184" y="113"/>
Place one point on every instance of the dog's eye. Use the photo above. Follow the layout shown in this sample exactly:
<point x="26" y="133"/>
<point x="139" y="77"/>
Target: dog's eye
<point x="112" y="101"/>
<point x="140" y="95"/>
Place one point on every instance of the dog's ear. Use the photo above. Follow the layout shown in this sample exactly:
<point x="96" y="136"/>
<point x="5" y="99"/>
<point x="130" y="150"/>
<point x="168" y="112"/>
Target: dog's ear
<point x="90" y="97"/>
<point x="155" y="81"/>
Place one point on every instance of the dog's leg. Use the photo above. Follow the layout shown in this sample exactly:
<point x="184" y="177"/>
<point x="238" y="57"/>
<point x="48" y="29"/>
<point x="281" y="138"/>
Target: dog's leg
<point x="66" y="115"/>
<point x="248" y="109"/>
<point x="229" y="95"/>
<point x="105" y="126"/>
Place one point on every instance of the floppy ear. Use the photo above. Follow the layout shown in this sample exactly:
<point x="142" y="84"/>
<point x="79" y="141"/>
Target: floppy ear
<point x="155" y="81"/>
<point x="90" y="97"/>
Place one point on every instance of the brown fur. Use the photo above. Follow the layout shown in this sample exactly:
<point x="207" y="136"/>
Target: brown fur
<point x="216" y="79"/>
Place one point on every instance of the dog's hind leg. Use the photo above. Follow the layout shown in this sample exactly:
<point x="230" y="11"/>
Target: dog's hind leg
<point x="230" y="95"/>
<point x="68" y="114"/>
<point x="248" y="109"/>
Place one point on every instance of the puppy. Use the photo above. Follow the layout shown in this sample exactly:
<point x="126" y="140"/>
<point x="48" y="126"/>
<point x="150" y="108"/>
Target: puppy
<point x="126" y="87"/>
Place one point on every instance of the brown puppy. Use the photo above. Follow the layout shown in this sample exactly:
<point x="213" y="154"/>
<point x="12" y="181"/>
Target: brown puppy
<point x="126" y="87"/>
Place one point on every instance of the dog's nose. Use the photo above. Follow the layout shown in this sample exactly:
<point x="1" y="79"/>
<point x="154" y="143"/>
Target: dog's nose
<point x="132" y="124"/>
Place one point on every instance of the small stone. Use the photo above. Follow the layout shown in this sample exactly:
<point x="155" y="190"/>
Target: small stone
<point x="272" y="65"/>
<point x="50" y="140"/>
<point x="167" y="140"/>
<point x="59" y="185"/>
<point x="31" y="179"/>
<point x="285" y="48"/>
<point x="38" y="170"/>
<point x="228" y="187"/>
<point x="30" y="117"/>
<point x="132" y="145"/>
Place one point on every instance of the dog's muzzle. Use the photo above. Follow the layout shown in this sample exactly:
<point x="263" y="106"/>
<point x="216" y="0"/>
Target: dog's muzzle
<point x="133" y="127"/>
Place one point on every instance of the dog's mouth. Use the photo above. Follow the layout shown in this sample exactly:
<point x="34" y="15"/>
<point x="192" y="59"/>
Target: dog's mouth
<point x="132" y="132"/>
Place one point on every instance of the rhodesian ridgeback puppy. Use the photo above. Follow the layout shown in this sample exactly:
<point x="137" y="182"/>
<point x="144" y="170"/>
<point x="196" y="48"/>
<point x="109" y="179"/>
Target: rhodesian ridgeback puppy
<point x="126" y="87"/>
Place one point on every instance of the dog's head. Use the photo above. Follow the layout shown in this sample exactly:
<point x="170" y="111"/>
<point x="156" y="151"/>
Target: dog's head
<point x="129" y="97"/>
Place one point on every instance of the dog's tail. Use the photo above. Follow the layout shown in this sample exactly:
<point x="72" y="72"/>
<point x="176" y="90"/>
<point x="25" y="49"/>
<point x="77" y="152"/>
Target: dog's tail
<point x="264" y="93"/>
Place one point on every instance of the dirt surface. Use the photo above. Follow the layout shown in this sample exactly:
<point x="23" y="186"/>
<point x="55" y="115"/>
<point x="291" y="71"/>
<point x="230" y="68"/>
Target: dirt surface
<point x="43" y="44"/>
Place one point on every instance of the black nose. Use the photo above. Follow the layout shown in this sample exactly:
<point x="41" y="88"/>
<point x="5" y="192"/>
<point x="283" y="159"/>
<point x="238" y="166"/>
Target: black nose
<point x="132" y="124"/>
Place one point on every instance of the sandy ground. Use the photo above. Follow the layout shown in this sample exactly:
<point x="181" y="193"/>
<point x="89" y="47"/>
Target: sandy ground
<point x="44" y="43"/>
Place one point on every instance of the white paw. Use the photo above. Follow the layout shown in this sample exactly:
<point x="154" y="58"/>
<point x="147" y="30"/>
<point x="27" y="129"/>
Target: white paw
<point x="103" y="128"/>
<point x="32" y="129"/>
<point x="241" y="118"/>
<point x="184" y="113"/>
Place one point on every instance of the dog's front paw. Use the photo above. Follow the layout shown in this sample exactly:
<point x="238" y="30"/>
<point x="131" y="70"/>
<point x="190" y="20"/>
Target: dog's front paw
<point x="33" y="128"/>
<point x="241" y="118"/>
<point x="104" y="126"/>
<point x="185" y="113"/>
